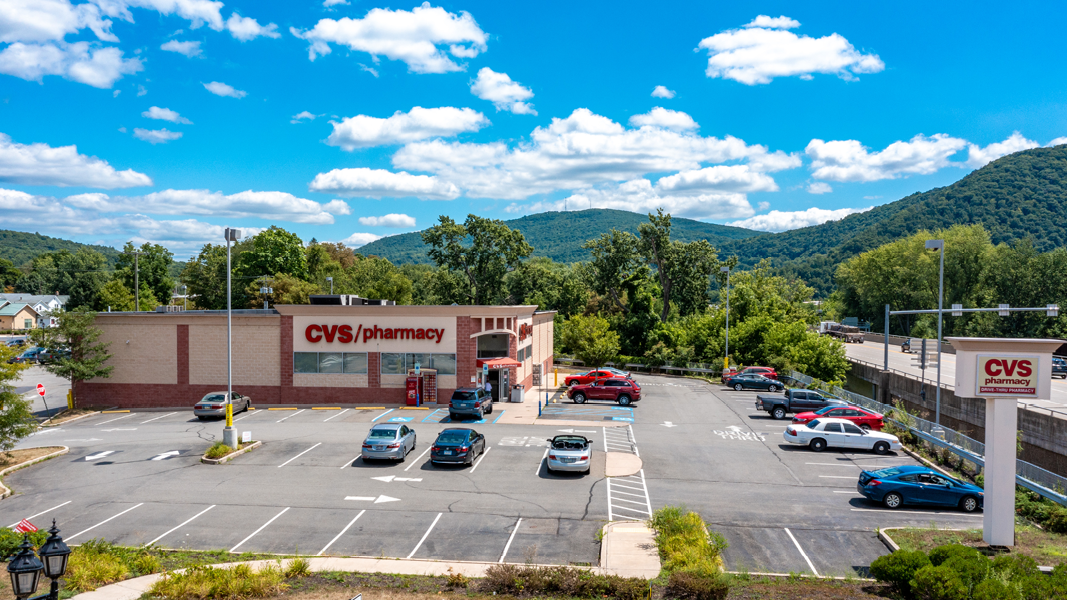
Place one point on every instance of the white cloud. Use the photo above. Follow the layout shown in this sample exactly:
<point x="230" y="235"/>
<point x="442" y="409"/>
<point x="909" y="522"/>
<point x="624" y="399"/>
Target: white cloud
<point x="379" y="183"/>
<point x="849" y="160"/>
<point x="41" y="164"/>
<point x="639" y="196"/>
<point x="50" y="21"/>
<point x="246" y="28"/>
<point x="190" y="49"/>
<point x="578" y="152"/>
<point x="363" y="131"/>
<point x="1057" y="142"/>
<point x="662" y="92"/>
<point x="329" y="3"/>
<point x="819" y="187"/>
<point x="165" y="114"/>
<point x="777" y="220"/>
<point x="763" y="205"/>
<point x="782" y="22"/>
<point x="370" y="70"/>
<point x="979" y="157"/>
<point x="116" y="93"/>
<point x="717" y="179"/>
<point x="765" y="49"/>
<point x="221" y="89"/>
<point x="666" y="118"/>
<point x="156" y="136"/>
<point x="300" y="116"/>
<point x="248" y="204"/>
<point x="357" y="240"/>
<point x="95" y="66"/>
<point x="504" y="93"/>
<point x="197" y="12"/>
<point x="141" y="91"/>
<point x="390" y="220"/>
<point x="409" y="36"/>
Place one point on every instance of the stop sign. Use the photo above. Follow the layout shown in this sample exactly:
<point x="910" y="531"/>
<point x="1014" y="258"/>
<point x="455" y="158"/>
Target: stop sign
<point x="40" y="389"/>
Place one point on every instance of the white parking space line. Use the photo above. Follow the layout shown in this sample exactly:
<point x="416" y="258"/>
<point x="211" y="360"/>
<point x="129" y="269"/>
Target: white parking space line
<point x="801" y="550"/>
<point x="261" y="528"/>
<point x="338" y="415"/>
<point x="836" y="477"/>
<point x="481" y="458"/>
<point x="417" y="459"/>
<point x="299" y="455"/>
<point x="290" y="416"/>
<point x="425" y="535"/>
<point x="349" y="463"/>
<point x="633" y="439"/>
<point x="116" y="419"/>
<point x="510" y="538"/>
<point x="158" y="418"/>
<point x="182" y="525"/>
<point x="43" y="512"/>
<point x="382" y="415"/>
<point x="849" y="464"/>
<point x="540" y="462"/>
<point x="243" y="417"/>
<point x="845" y="492"/>
<point x="915" y="512"/>
<point x="104" y="521"/>
<point x="338" y="536"/>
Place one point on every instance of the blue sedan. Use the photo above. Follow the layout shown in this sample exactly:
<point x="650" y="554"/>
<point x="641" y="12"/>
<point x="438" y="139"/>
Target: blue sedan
<point x="896" y="486"/>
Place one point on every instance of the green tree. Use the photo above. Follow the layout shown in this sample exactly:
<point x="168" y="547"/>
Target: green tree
<point x="9" y="275"/>
<point x="591" y="340"/>
<point x="549" y="285"/>
<point x="115" y="296"/>
<point x="480" y="250"/>
<point x="16" y="413"/>
<point x="80" y="275"/>
<point x="75" y="330"/>
<point x="205" y="276"/>
<point x="374" y="277"/>
<point x="153" y="270"/>
<point x="615" y="266"/>
<point x="287" y="290"/>
<point x="272" y="251"/>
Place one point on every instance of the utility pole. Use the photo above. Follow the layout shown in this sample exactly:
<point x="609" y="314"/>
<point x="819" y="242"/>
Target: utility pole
<point x="136" y="279"/>
<point x="229" y="434"/>
<point x="726" y="359"/>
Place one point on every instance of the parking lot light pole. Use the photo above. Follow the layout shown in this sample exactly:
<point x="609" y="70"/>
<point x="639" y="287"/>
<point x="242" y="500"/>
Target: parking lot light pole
<point x="229" y="434"/>
<point x="330" y="279"/>
<point x="726" y="357"/>
<point x="939" y="245"/>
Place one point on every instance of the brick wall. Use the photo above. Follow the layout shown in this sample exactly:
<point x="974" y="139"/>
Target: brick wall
<point x="182" y="354"/>
<point x="466" y="351"/>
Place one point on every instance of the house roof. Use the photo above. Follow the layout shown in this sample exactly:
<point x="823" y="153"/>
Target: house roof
<point x="34" y="298"/>
<point x="11" y="309"/>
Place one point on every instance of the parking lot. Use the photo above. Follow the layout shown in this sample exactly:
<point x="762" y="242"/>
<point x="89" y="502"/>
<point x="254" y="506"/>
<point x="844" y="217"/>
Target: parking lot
<point x="135" y="478"/>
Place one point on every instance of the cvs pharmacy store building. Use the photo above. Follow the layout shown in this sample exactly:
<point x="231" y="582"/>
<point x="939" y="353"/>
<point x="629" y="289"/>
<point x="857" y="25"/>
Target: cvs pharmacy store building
<point x="322" y="354"/>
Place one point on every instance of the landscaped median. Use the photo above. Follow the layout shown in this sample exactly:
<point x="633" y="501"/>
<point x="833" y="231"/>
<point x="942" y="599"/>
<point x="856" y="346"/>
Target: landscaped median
<point x="220" y="453"/>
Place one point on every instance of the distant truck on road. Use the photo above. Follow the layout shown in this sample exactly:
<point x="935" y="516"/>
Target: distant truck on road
<point x="795" y="401"/>
<point x="845" y="333"/>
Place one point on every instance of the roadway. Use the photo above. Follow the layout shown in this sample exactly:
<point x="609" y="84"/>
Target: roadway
<point x="874" y="353"/>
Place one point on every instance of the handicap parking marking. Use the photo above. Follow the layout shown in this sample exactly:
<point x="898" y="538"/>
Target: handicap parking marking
<point x="400" y="419"/>
<point x="382" y="415"/>
<point x="437" y="416"/>
<point x="581" y="412"/>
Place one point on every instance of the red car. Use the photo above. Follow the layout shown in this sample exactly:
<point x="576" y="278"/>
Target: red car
<point x="617" y="389"/>
<point x="860" y="416"/>
<point x="767" y="372"/>
<point x="588" y="377"/>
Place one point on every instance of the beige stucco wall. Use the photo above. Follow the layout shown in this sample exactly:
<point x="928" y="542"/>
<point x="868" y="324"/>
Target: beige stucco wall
<point x="446" y="382"/>
<point x="394" y="381"/>
<point x="256" y="345"/>
<point x="141" y="352"/>
<point x="351" y="380"/>
<point x="19" y="320"/>
<point x="544" y="329"/>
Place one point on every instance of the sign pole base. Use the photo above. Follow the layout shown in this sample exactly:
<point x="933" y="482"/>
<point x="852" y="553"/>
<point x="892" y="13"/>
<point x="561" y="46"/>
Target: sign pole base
<point x="229" y="437"/>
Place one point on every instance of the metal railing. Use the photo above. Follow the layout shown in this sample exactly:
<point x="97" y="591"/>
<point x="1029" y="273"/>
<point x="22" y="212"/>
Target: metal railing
<point x="1032" y="477"/>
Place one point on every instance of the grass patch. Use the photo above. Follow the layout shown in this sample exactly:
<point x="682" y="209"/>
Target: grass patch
<point x="1047" y="549"/>
<point x="214" y="583"/>
<point x="685" y="543"/>
<point x="219" y="450"/>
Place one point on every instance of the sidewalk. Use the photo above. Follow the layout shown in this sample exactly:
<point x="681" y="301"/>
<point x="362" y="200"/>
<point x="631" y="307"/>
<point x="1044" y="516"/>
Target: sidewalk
<point x="525" y="412"/>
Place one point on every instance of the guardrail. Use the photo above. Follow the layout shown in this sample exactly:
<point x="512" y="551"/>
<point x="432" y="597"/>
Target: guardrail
<point x="701" y="368"/>
<point x="1030" y="476"/>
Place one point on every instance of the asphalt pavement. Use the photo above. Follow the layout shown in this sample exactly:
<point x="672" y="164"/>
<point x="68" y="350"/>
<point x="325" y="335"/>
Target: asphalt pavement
<point x="135" y="478"/>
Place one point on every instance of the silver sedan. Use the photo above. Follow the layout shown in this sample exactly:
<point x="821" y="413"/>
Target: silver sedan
<point x="569" y="453"/>
<point x="214" y="405"/>
<point x="388" y="441"/>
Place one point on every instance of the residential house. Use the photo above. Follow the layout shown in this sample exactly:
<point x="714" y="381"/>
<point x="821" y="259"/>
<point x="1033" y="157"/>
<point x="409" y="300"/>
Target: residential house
<point x="17" y="315"/>
<point x="44" y="304"/>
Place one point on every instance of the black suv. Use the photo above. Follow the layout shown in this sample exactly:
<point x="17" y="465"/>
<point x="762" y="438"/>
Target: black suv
<point x="1059" y="367"/>
<point x="470" y="403"/>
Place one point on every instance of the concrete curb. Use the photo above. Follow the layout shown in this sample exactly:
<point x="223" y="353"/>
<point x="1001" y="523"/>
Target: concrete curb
<point x="77" y="418"/>
<point x="888" y="541"/>
<point x="218" y="461"/>
<point x="6" y="491"/>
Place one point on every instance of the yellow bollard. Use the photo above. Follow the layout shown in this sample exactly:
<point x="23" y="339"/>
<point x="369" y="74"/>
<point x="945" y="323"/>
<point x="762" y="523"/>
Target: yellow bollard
<point x="70" y="399"/>
<point x="555" y="376"/>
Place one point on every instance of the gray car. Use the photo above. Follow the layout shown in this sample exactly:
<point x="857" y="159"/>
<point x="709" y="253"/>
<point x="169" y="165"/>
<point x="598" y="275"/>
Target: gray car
<point x="388" y="441"/>
<point x="569" y="453"/>
<point x="470" y="403"/>
<point x="214" y="405"/>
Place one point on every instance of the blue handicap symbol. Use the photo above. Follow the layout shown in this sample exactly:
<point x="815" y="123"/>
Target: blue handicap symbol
<point x="400" y="419"/>
<point x="622" y="419"/>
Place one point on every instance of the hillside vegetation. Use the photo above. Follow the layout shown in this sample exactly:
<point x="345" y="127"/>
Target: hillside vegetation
<point x="20" y="248"/>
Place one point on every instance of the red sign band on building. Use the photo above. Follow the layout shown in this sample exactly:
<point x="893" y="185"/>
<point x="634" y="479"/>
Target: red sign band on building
<point x="343" y="334"/>
<point x="525" y="330"/>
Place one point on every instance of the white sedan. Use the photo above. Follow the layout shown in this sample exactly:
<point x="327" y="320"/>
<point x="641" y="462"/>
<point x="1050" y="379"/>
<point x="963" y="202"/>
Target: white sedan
<point x="839" y="433"/>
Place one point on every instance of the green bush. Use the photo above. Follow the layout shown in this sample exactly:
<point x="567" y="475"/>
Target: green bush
<point x="972" y="569"/>
<point x="92" y="565"/>
<point x="942" y="553"/>
<point x="898" y="568"/>
<point x="218" y="450"/>
<point x="210" y="583"/>
<point x="298" y="567"/>
<point x="993" y="589"/>
<point x="938" y="583"/>
<point x="685" y="543"/>
<point x="690" y="586"/>
<point x="10" y="540"/>
<point x="1057" y="520"/>
<point x="1014" y="567"/>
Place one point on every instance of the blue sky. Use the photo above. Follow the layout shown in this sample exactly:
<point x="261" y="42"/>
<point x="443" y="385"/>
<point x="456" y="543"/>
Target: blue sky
<point x="166" y="120"/>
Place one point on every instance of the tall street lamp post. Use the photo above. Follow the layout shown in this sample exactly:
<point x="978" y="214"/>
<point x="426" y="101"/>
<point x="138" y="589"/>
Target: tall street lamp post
<point x="726" y="358"/>
<point x="939" y="245"/>
<point x="26" y="568"/>
<point x="229" y="434"/>
<point x="330" y="279"/>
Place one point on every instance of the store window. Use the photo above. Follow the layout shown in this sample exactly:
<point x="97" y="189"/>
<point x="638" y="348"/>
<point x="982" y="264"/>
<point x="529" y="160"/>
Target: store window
<point x="445" y="364"/>
<point x="330" y="362"/>
<point x="393" y="364"/>
<point x="400" y="364"/>
<point x="425" y="361"/>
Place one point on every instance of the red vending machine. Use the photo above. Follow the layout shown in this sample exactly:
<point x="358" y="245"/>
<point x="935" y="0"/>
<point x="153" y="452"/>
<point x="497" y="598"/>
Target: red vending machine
<point x="414" y="388"/>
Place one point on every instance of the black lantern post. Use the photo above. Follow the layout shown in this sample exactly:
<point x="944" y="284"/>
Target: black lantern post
<point x="26" y="569"/>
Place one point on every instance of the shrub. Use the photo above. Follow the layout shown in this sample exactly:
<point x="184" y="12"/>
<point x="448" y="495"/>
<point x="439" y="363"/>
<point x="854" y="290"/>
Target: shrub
<point x="457" y="580"/>
<point x="684" y="542"/>
<point x="898" y="568"/>
<point x="1014" y="567"/>
<point x="1057" y="520"/>
<point x="10" y="540"/>
<point x="690" y="586"/>
<point x="942" y="553"/>
<point x="509" y="579"/>
<point x="145" y="564"/>
<point x="210" y="583"/>
<point x="92" y="565"/>
<point x="298" y="567"/>
<point x="993" y="589"/>
<point x="972" y="569"/>
<point x="938" y="583"/>
<point x="218" y="450"/>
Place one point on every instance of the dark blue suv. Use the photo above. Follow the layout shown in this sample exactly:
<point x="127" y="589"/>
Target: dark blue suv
<point x="471" y="403"/>
<point x="1059" y="367"/>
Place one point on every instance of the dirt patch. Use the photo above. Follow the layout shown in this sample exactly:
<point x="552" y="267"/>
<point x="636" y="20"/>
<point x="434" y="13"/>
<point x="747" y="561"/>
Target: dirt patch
<point x="14" y="457"/>
<point x="1048" y="549"/>
<point x="68" y="415"/>
<point x="802" y="589"/>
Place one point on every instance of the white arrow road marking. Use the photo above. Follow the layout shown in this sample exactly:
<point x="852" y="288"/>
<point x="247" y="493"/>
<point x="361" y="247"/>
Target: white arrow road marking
<point x="566" y="431"/>
<point x="734" y="428"/>
<point x="115" y="419"/>
<point x="386" y="499"/>
<point x="386" y="479"/>
<point x="376" y="500"/>
<point x="389" y="478"/>
<point x="360" y="498"/>
<point x="408" y="479"/>
<point x="584" y="431"/>
<point x="130" y="429"/>
<point x="85" y="440"/>
<point x="166" y="455"/>
<point x="100" y="454"/>
<point x="45" y="431"/>
<point x="668" y="424"/>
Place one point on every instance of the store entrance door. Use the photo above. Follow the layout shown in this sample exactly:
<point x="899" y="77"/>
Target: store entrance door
<point x="494" y="380"/>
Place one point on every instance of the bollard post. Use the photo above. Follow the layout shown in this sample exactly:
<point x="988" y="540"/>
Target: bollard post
<point x="539" y="407"/>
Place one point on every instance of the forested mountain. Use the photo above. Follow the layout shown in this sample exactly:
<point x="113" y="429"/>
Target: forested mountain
<point x="20" y="248"/>
<point x="560" y="235"/>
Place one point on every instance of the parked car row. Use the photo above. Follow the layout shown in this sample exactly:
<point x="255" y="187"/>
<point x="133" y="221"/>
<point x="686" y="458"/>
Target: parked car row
<point x="40" y="355"/>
